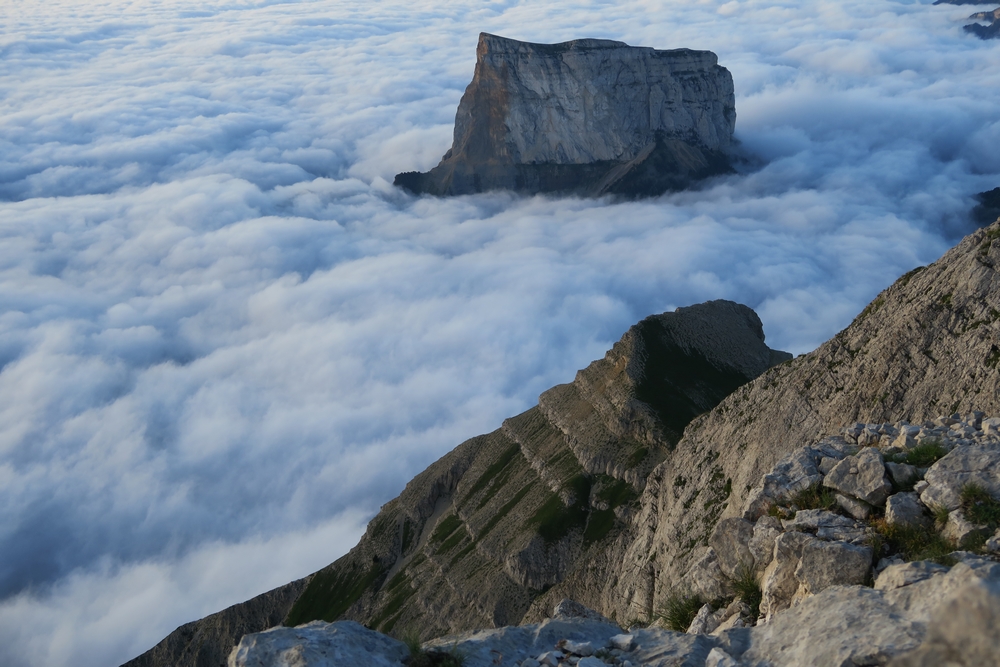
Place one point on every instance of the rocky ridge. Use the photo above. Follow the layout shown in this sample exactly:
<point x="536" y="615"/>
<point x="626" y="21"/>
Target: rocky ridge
<point x="589" y="116"/>
<point x="929" y="341"/>
<point x="836" y="586"/>
<point x="473" y="540"/>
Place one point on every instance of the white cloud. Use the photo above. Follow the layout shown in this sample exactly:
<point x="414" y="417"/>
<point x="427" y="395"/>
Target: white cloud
<point x="225" y="338"/>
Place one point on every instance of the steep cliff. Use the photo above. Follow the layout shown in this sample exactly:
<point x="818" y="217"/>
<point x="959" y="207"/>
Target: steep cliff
<point x="589" y="116"/>
<point x="473" y="540"/>
<point x="927" y="345"/>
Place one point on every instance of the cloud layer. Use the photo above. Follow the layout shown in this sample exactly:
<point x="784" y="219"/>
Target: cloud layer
<point x="225" y="339"/>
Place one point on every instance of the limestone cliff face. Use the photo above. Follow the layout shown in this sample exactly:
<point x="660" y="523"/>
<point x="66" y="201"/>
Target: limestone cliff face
<point x="476" y="538"/>
<point x="927" y="345"/>
<point x="590" y="116"/>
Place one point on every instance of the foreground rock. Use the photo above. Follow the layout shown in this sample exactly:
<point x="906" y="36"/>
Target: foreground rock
<point x="589" y="116"/>
<point x="947" y="617"/>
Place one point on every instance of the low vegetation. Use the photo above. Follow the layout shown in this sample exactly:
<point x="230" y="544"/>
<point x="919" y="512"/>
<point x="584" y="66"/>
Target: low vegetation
<point x="419" y="657"/>
<point x="679" y="611"/>
<point x="914" y="542"/>
<point x="814" y="497"/>
<point x="923" y="455"/>
<point x="747" y="588"/>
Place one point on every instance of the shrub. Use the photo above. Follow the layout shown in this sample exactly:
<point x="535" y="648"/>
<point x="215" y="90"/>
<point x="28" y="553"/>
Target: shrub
<point x="815" y="497"/>
<point x="680" y="610"/>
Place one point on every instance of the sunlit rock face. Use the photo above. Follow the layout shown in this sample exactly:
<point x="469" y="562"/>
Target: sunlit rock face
<point x="589" y="116"/>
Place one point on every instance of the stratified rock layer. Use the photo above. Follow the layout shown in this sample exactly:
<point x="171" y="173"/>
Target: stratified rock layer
<point x="589" y="116"/>
<point x="474" y="539"/>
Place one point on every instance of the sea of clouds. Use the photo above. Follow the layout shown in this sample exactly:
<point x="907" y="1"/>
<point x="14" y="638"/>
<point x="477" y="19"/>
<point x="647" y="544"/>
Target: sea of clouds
<point x="226" y="339"/>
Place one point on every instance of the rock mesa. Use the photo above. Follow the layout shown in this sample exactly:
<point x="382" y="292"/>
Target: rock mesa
<point x="590" y="116"/>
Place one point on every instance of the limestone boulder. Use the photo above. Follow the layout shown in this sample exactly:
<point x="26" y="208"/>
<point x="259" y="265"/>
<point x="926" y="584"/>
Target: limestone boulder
<point x="319" y="644"/>
<point x="779" y="585"/>
<point x="962" y="465"/>
<point x="731" y="542"/>
<point x="904" y="574"/>
<point x="905" y="509"/>
<point x="827" y="526"/>
<point x="824" y="564"/>
<point x="861" y="477"/>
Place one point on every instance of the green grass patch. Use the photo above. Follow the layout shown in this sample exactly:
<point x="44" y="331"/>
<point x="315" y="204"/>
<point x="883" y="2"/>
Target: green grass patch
<point x="679" y="611"/>
<point x="600" y="524"/>
<point x="504" y="511"/>
<point x="979" y="507"/>
<point x="409" y="532"/>
<point x="915" y="542"/>
<point x="395" y="603"/>
<point x="923" y="455"/>
<point x="445" y="527"/>
<point x="615" y="492"/>
<point x="747" y="588"/>
<point x="452" y="542"/>
<point x="637" y="457"/>
<point x="466" y="550"/>
<point x="491" y="472"/>
<point x="554" y="520"/>
<point x="331" y="593"/>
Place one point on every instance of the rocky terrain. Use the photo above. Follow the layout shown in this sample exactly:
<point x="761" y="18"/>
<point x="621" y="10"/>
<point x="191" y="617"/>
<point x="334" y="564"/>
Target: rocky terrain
<point x="476" y="538"/>
<point x="990" y="31"/>
<point x="589" y="116"/>
<point x="852" y="539"/>
<point x="594" y="495"/>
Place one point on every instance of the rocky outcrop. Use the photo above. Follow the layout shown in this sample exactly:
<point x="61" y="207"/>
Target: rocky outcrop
<point x="987" y="209"/>
<point x="473" y="540"/>
<point x="941" y="618"/>
<point x="207" y="642"/>
<point x="929" y="344"/>
<point x="589" y="116"/>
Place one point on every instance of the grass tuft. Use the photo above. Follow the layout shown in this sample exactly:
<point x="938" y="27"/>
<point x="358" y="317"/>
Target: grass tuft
<point x="679" y="611"/>
<point x="923" y="455"/>
<point x="915" y="542"/>
<point x="747" y="588"/>
<point x="429" y="658"/>
<point x="979" y="507"/>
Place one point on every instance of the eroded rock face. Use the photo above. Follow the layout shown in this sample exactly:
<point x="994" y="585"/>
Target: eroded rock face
<point x="472" y="540"/>
<point x="589" y="116"/>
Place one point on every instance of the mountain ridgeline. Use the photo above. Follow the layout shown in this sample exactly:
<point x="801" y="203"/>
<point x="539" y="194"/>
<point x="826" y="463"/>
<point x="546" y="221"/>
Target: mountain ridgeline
<point x="477" y="538"/>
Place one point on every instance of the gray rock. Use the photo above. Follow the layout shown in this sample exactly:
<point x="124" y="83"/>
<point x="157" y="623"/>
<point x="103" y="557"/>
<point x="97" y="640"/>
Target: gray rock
<point x="622" y="642"/>
<point x="825" y="564"/>
<point x="842" y="626"/>
<point x="761" y="545"/>
<point x="779" y="585"/>
<point x="591" y="662"/>
<point x="856" y="508"/>
<point x="582" y="649"/>
<point x="826" y="526"/>
<point x="731" y="542"/>
<point x="530" y="662"/>
<point x="957" y="528"/>
<point x="590" y="115"/>
<point x="862" y="477"/>
<point x="904" y="574"/>
<point x="719" y="658"/>
<point x="962" y="465"/>
<point x="901" y="473"/>
<point x="515" y="643"/>
<point x="905" y="509"/>
<point x="570" y="609"/>
<point x="993" y="544"/>
<point x="318" y="644"/>
<point x="705" y="578"/>
<point x="551" y="658"/>
<point x="962" y="631"/>
<point x="704" y="621"/>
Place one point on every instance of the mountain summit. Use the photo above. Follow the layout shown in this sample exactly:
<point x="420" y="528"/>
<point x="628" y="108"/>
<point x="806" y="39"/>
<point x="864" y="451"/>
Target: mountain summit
<point x="590" y="116"/>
